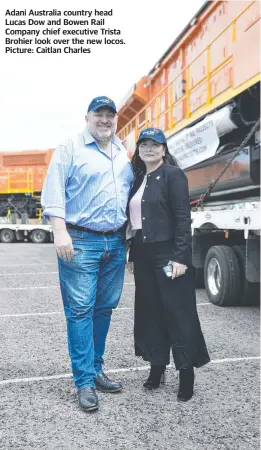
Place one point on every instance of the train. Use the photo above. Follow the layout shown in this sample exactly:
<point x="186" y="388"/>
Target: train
<point x="22" y="176"/>
<point x="208" y="78"/>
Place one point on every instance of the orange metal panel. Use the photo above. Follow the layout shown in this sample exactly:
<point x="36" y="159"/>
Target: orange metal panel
<point x="141" y="91"/>
<point x="39" y="176"/>
<point x="23" y="172"/>
<point x="246" y="61"/>
<point x="26" y="158"/>
<point x="14" y="182"/>
<point x="215" y="59"/>
<point x="3" y="181"/>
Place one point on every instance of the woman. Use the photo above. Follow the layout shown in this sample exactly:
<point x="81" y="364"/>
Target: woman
<point x="165" y="308"/>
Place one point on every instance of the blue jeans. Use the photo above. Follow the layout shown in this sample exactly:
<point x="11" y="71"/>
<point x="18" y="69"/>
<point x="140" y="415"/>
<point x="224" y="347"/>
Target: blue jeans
<point x="91" y="286"/>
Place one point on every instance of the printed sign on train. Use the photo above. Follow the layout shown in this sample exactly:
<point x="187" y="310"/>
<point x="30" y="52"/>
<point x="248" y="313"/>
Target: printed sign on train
<point x="195" y="144"/>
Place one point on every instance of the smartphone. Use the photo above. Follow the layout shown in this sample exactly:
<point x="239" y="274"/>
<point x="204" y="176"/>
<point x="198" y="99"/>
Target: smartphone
<point x="168" y="270"/>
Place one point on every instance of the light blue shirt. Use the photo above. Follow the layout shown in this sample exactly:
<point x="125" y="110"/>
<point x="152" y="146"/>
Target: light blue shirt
<point x="86" y="187"/>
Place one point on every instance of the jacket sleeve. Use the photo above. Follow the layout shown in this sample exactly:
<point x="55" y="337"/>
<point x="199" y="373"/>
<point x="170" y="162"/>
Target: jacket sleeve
<point x="129" y="249"/>
<point x="180" y="208"/>
<point x="53" y="193"/>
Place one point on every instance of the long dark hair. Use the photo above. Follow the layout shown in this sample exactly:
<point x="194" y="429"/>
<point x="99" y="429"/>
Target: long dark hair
<point x="138" y="165"/>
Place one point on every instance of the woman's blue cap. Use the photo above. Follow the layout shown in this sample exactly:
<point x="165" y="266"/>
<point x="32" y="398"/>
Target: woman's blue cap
<point x="153" y="133"/>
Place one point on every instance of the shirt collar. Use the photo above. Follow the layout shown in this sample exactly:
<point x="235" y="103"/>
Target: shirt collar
<point x="89" y="139"/>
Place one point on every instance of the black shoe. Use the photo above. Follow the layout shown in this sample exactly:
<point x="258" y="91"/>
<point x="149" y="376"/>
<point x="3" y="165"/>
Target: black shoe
<point x="88" y="399"/>
<point x="156" y="376"/>
<point x="186" y="384"/>
<point x="104" y="384"/>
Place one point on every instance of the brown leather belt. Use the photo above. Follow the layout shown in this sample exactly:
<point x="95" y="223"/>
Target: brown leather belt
<point x="79" y="228"/>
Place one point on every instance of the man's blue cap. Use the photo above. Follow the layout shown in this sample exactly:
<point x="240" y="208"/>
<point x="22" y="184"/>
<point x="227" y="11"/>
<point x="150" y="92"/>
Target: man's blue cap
<point x="153" y="133"/>
<point x="101" y="102"/>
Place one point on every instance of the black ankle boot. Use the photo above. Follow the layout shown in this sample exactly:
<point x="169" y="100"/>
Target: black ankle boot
<point x="186" y="384"/>
<point x="157" y="376"/>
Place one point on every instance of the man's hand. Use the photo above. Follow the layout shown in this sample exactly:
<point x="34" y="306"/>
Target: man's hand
<point x="177" y="269"/>
<point x="130" y="267"/>
<point x="62" y="239"/>
<point x="63" y="244"/>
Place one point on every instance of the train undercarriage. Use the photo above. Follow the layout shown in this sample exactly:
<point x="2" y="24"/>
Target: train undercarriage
<point x="19" y="204"/>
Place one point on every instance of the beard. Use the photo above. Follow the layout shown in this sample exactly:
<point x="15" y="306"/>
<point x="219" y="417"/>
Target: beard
<point x="102" y="136"/>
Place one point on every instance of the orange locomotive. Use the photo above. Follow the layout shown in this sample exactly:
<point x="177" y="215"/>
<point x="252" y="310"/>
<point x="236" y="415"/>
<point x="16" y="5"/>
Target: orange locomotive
<point x="208" y="78"/>
<point x="214" y="60"/>
<point x="21" y="179"/>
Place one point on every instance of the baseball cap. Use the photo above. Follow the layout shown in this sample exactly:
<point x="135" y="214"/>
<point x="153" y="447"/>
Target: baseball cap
<point x="101" y="102"/>
<point x="153" y="133"/>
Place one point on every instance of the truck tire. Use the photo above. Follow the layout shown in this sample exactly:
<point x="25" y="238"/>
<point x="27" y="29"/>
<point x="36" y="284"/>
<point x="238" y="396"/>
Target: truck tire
<point x="199" y="278"/>
<point x="249" y="293"/>
<point x="38" y="236"/>
<point x="7" y="236"/>
<point x="221" y="275"/>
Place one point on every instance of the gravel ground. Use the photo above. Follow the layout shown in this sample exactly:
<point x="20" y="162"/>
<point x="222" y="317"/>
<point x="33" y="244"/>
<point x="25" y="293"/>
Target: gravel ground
<point x="44" y="414"/>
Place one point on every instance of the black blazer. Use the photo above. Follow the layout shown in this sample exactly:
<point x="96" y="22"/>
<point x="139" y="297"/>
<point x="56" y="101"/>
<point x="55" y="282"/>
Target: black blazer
<point x="165" y="210"/>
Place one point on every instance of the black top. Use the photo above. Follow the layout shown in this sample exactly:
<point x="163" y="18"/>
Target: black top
<point x="165" y="210"/>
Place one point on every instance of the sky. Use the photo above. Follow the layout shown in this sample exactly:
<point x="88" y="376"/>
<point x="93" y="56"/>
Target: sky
<point x="44" y="97"/>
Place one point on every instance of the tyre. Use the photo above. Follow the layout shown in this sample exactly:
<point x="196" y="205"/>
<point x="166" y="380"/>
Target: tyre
<point x="250" y="292"/>
<point x="7" y="236"/>
<point x="199" y="278"/>
<point x="222" y="275"/>
<point x="38" y="236"/>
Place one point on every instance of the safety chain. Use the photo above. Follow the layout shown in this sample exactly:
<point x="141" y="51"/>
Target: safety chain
<point x="211" y="186"/>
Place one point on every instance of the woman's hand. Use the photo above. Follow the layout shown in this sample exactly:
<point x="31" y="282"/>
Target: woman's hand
<point x="177" y="269"/>
<point x="130" y="267"/>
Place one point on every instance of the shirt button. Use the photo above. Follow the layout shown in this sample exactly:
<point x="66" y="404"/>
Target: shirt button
<point x="143" y="218"/>
<point x="146" y="185"/>
<point x="143" y="200"/>
<point x="144" y="237"/>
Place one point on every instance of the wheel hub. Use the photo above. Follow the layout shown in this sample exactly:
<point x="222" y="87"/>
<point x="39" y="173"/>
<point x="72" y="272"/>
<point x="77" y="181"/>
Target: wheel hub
<point x="214" y="276"/>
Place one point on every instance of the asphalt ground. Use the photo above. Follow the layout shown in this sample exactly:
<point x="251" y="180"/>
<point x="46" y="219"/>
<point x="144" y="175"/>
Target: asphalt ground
<point x="38" y="403"/>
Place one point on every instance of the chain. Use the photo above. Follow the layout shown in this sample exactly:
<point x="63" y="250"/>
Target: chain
<point x="211" y="186"/>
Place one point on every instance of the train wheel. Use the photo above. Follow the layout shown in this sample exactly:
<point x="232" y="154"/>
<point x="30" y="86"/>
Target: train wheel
<point x="7" y="236"/>
<point x="38" y="236"/>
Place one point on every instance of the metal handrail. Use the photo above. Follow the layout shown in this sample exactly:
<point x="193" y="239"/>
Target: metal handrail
<point x="12" y="184"/>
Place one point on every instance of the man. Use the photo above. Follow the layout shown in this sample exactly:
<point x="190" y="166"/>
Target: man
<point x="85" y="196"/>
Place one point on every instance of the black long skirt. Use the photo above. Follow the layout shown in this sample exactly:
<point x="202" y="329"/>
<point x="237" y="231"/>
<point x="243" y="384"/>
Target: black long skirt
<point x="166" y="316"/>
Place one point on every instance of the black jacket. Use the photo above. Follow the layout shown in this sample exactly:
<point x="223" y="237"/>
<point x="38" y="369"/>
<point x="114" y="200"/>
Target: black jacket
<point x="165" y="210"/>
